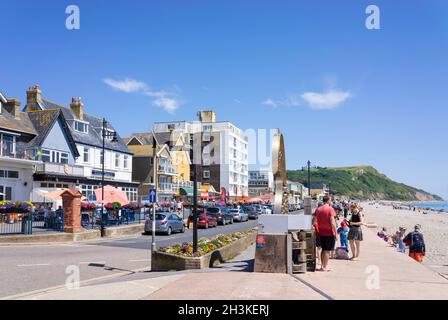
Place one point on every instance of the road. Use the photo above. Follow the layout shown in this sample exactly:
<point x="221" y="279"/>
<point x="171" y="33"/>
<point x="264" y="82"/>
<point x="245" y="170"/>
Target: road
<point x="31" y="267"/>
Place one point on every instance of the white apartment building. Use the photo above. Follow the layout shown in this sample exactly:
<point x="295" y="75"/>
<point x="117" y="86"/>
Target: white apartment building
<point x="219" y="149"/>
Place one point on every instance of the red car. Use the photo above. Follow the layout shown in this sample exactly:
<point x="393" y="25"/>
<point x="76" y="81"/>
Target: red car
<point x="205" y="220"/>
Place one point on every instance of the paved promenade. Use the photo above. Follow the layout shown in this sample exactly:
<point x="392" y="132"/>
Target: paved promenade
<point x="381" y="273"/>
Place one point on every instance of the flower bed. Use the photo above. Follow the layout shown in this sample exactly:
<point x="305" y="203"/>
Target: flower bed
<point x="205" y="245"/>
<point x="211" y="252"/>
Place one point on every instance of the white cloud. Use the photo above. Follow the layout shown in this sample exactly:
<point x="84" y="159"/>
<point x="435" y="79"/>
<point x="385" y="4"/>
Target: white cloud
<point x="327" y="100"/>
<point x="169" y="104"/>
<point x="317" y="101"/>
<point x="127" y="85"/>
<point x="270" y="103"/>
<point x="163" y="99"/>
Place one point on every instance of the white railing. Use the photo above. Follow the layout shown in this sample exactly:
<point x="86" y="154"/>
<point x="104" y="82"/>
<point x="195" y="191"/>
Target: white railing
<point x="64" y="169"/>
<point x="167" y="170"/>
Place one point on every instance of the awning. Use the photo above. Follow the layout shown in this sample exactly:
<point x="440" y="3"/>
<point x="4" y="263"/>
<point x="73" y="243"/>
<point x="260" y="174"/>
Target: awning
<point x="188" y="191"/>
<point x="210" y="189"/>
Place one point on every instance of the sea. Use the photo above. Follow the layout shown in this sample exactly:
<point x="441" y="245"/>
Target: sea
<point x="440" y="205"/>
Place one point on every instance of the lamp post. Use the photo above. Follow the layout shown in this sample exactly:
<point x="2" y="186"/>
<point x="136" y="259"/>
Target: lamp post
<point x="195" y="203"/>
<point x="309" y="178"/>
<point x="105" y="134"/>
<point x="155" y="166"/>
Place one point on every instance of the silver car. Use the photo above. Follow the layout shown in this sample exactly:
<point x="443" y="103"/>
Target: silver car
<point x="166" y="222"/>
<point x="239" y="215"/>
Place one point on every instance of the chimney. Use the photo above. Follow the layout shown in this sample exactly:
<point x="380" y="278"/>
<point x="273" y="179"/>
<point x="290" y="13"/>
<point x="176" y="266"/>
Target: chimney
<point x="13" y="107"/>
<point x="171" y="138"/>
<point x="33" y="96"/>
<point x="207" y="116"/>
<point x="77" y="108"/>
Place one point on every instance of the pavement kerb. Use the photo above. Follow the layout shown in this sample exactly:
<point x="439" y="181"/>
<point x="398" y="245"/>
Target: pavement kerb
<point x="49" y="289"/>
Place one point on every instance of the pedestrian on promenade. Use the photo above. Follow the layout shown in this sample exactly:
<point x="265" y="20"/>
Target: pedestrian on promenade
<point x="345" y="210"/>
<point x="401" y="246"/>
<point x="355" y="233"/>
<point x="416" y="244"/>
<point x="326" y="225"/>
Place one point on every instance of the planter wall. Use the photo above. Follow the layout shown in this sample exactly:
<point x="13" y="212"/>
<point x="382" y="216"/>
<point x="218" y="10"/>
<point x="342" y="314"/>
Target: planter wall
<point x="162" y="261"/>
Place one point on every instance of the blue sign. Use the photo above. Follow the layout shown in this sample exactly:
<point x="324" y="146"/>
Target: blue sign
<point x="152" y="196"/>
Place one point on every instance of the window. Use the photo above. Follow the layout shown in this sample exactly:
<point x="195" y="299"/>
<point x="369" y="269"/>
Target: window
<point x="5" y="193"/>
<point x="206" y="174"/>
<point x="45" y="155"/>
<point x="206" y="137"/>
<point x="86" y="154"/>
<point x="125" y="162"/>
<point x="117" y="160"/>
<point x="206" y="161"/>
<point x="101" y="157"/>
<point x="234" y="153"/>
<point x="88" y="191"/>
<point x="81" y="127"/>
<point x="9" y="174"/>
<point x="8" y="145"/>
<point x="54" y="156"/>
<point x="131" y="193"/>
<point x="207" y="128"/>
<point x="64" y="158"/>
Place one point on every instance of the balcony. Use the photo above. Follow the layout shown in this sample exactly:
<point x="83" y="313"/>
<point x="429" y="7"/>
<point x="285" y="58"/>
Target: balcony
<point x="185" y="184"/>
<point x="167" y="170"/>
<point x="166" y="187"/>
<point x="62" y="169"/>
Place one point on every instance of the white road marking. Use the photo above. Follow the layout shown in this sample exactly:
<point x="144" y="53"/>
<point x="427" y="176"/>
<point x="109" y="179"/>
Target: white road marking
<point x="89" y="262"/>
<point x="33" y="265"/>
<point x="139" y="260"/>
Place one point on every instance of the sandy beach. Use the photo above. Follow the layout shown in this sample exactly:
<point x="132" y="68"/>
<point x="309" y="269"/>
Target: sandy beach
<point x="434" y="228"/>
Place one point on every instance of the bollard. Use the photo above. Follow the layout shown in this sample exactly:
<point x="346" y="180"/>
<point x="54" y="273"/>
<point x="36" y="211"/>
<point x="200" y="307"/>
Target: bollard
<point x="307" y="206"/>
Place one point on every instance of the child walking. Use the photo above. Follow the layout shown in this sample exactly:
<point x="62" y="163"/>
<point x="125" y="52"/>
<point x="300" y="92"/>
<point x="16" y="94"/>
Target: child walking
<point x="343" y="232"/>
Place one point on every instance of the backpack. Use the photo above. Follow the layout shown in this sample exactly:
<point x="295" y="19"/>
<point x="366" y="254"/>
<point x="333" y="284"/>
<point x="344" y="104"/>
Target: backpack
<point x="341" y="253"/>
<point x="417" y="243"/>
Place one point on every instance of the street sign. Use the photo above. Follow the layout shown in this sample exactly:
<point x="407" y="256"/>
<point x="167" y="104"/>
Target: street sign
<point x="152" y="196"/>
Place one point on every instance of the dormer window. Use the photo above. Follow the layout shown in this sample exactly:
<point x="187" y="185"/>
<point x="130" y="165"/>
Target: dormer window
<point x="81" y="126"/>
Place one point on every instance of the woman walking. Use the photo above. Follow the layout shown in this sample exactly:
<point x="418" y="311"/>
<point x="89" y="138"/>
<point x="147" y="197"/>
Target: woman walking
<point x="355" y="233"/>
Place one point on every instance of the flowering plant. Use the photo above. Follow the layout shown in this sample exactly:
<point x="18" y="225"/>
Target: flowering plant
<point x="87" y="206"/>
<point x="7" y="206"/>
<point x="131" y="206"/>
<point x="113" y="206"/>
<point x="23" y="206"/>
<point x="205" y="245"/>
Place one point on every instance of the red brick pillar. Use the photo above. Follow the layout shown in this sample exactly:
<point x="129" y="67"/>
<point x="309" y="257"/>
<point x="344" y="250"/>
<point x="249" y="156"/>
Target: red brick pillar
<point x="71" y="203"/>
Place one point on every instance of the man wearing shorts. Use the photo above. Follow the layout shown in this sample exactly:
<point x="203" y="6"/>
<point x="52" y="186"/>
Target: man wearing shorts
<point x="326" y="226"/>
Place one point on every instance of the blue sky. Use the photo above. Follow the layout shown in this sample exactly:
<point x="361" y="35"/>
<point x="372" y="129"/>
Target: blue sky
<point x="341" y="94"/>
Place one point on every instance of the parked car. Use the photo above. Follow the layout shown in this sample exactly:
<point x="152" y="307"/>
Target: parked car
<point x="239" y="215"/>
<point x="222" y="215"/>
<point x="258" y="208"/>
<point x="252" y="212"/>
<point x="266" y="210"/>
<point x="166" y="223"/>
<point x="207" y="220"/>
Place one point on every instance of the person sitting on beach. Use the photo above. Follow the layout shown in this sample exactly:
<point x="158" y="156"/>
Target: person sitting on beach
<point x="382" y="234"/>
<point x="416" y="243"/>
<point x="343" y="232"/>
